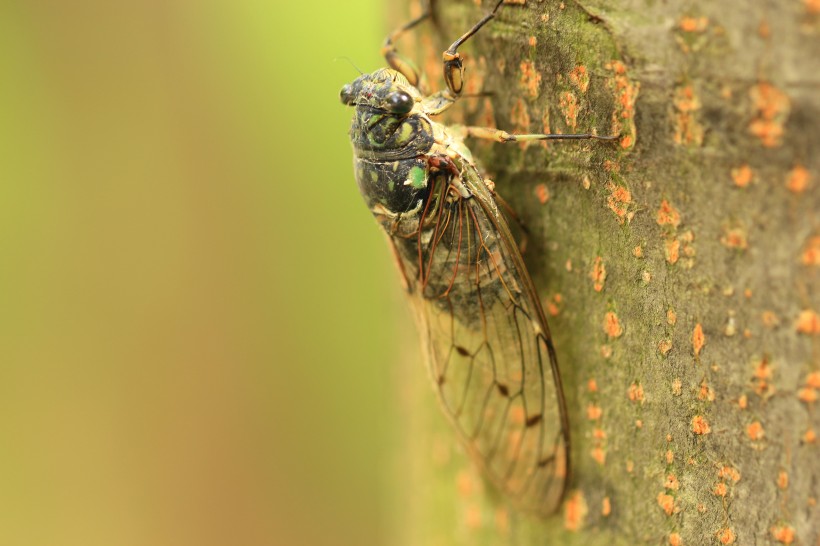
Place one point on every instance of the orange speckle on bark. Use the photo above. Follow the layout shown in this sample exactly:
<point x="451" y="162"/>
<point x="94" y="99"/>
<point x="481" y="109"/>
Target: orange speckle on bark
<point x="599" y="434"/>
<point x="580" y="78"/>
<point x="698" y="339"/>
<point x="720" y="489"/>
<point x="730" y="473"/>
<point x="675" y="540"/>
<point x="606" y="351"/>
<point x="771" y="108"/>
<point x="568" y="265"/>
<point x="635" y="392"/>
<point x="630" y="466"/>
<point x="809" y="437"/>
<point x="688" y="129"/>
<point x="638" y="251"/>
<point x="599" y="455"/>
<point x="734" y="237"/>
<point x="638" y="423"/>
<point x="672" y="250"/>
<point x="808" y="322"/>
<point x="807" y="395"/>
<point x="813" y="380"/>
<point x="626" y="94"/>
<point x="472" y="517"/>
<point x="677" y="386"/>
<point x="502" y="521"/>
<point x="594" y="412"/>
<point x="755" y="431"/>
<point x="812" y="6"/>
<point x="671" y="482"/>
<point x="542" y="193"/>
<point x="811" y="252"/>
<point x="694" y="24"/>
<point x="612" y="326"/>
<point x="700" y="425"/>
<point x="465" y="484"/>
<point x="706" y="393"/>
<point x="798" y="179"/>
<point x="667" y="214"/>
<point x="592" y="385"/>
<point x="782" y="479"/>
<point x="743" y="401"/>
<point x="575" y="510"/>
<point x="666" y="502"/>
<point x="530" y="79"/>
<point x="568" y="104"/>
<point x="742" y="176"/>
<point x="598" y="274"/>
<point x="606" y="507"/>
<point x="618" y="200"/>
<point x="763" y="370"/>
<point x="726" y="536"/>
<point x="671" y="317"/>
<point x="670" y="456"/>
<point x="664" y="346"/>
<point x="532" y="40"/>
<point x="769" y="319"/>
<point x="783" y="534"/>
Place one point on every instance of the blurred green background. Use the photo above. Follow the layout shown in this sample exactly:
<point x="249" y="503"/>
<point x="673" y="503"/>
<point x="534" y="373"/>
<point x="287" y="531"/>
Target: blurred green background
<point x="197" y="341"/>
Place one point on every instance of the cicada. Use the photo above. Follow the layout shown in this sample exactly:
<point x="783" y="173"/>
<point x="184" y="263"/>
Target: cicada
<point x="488" y="347"/>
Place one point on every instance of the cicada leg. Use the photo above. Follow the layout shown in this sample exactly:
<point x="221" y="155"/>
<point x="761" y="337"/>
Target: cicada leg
<point x="396" y="61"/>
<point x="503" y="136"/>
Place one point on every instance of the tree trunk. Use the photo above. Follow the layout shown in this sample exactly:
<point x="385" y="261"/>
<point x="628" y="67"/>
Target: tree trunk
<point x="678" y="267"/>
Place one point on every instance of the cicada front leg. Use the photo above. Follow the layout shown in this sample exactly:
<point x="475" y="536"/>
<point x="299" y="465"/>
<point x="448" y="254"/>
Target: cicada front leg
<point x="503" y="136"/>
<point x="394" y="59"/>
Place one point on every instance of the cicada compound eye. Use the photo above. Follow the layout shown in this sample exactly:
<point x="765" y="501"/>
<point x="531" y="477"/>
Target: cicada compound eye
<point x="400" y="102"/>
<point x="347" y="95"/>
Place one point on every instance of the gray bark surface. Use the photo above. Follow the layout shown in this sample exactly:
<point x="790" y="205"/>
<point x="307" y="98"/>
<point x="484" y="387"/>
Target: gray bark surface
<point x="678" y="268"/>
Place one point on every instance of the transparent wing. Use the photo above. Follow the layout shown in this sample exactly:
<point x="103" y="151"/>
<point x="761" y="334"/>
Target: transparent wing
<point x="489" y="349"/>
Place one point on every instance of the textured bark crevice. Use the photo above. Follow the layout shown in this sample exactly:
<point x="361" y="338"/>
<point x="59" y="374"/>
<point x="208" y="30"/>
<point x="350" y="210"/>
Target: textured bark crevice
<point x="679" y="268"/>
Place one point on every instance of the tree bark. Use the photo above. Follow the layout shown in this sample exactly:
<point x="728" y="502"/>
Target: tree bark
<point x="678" y="267"/>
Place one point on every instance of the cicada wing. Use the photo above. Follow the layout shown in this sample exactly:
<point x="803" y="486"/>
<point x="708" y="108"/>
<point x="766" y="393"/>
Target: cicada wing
<point x="488" y="347"/>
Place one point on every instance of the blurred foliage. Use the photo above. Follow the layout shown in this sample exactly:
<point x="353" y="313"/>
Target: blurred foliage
<point x="189" y="354"/>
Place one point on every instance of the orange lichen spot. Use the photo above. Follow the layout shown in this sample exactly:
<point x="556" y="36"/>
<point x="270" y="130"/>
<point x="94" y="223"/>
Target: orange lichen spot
<point x="598" y="274"/>
<point x="606" y="507"/>
<point x="807" y="395"/>
<point x="677" y="386"/>
<point x="530" y="79"/>
<point x="700" y="425"/>
<point x="472" y="516"/>
<point x="618" y="201"/>
<point x="532" y="41"/>
<point x="580" y="78"/>
<point x="672" y="250"/>
<point x="747" y="293"/>
<point x="769" y="319"/>
<point x="465" y="484"/>
<point x="664" y="346"/>
<point x="575" y="510"/>
<point x="813" y="380"/>
<point x="675" y="540"/>
<point x="667" y="214"/>
<point x="811" y="253"/>
<point x="502" y="520"/>
<point x="599" y="433"/>
<point x="671" y="316"/>
<point x="635" y="392"/>
<point x="638" y="423"/>
<point x="626" y="94"/>
<point x="782" y="479"/>
<point x="693" y="24"/>
<point x="594" y="412"/>
<point x="764" y="30"/>
<point x="688" y="129"/>
<point x="638" y="251"/>
<point x="771" y="107"/>
<point x="606" y="351"/>
<point x="726" y="536"/>
<point x="809" y="437"/>
<point x="598" y="454"/>
<point x="701" y="508"/>
<point x="706" y="393"/>
<point x="755" y="431"/>
<point x="568" y="265"/>
<point x="734" y="237"/>
<point x="586" y="183"/>
<point x="783" y="534"/>
<point x="812" y="6"/>
<point x="798" y="179"/>
<point x="743" y="401"/>
<point x="729" y="473"/>
<point x="630" y="466"/>
<point x="720" y="489"/>
<point x="542" y="193"/>
<point x="612" y="326"/>
<point x="666" y="502"/>
<point x="670" y="456"/>
<point x="568" y="103"/>
<point x="671" y="482"/>
<point x="698" y="339"/>
<point x="808" y="322"/>
<point x="592" y="385"/>
<point x="742" y="176"/>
